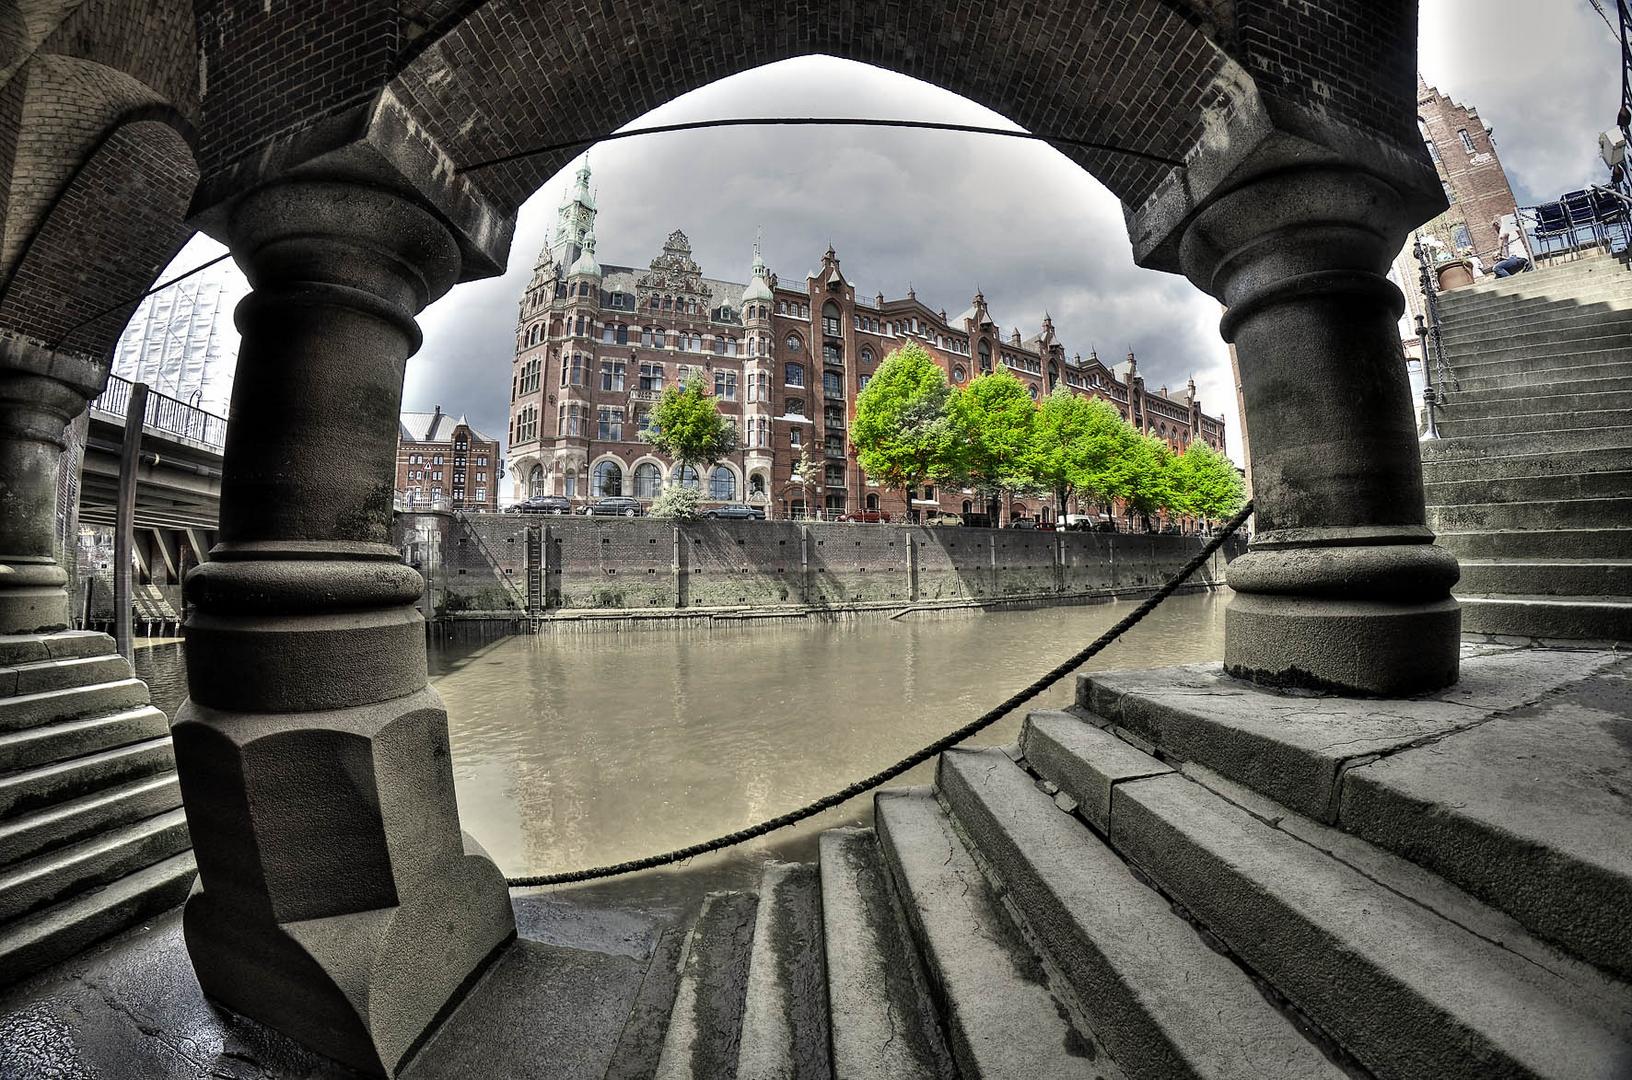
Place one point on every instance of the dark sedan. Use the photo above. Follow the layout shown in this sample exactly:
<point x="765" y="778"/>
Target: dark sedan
<point x="737" y="511"/>
<point x="614" y="506"/>
<point x="542" y="504"/>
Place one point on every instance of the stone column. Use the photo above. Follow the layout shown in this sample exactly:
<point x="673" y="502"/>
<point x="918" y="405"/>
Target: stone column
<point x="338" y="900"/>
<point x="1342" y="588"/>
<point x="41" y="391"/>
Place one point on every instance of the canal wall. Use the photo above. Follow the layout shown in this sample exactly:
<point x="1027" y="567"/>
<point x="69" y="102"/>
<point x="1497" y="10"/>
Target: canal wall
<point x="519" y="568"/>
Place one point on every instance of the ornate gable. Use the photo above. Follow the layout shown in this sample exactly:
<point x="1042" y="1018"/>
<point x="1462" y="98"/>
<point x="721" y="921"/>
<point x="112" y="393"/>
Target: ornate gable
<point x="675" y="273"/>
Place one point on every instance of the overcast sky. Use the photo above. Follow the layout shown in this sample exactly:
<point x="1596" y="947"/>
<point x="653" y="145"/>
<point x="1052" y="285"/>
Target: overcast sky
<point x="948" y="213"/>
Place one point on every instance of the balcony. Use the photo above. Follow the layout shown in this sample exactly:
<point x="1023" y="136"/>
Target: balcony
<point x="638" y="396"/>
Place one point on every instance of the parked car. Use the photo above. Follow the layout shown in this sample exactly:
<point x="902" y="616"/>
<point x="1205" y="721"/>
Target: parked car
<point x="614" y="506"/>
<point x="542" y="504"/>
<point x="1022" y="523"/>
<point x="1106" y="526"/>
<point x="735" y="510"/>
<point x="942" y="519"/>
<point x="1077" y="523"/>
<point x="866" y="516"/>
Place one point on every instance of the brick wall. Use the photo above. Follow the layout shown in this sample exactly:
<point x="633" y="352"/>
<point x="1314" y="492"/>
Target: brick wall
<point x="479" y="562"/>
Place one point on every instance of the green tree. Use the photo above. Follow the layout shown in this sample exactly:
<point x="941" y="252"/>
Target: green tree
<point x="685" y="425"/>
<point x="1079" y="446"/>
<point x="1206" y="483"/>
<point x="677" y="502"/>
<point x="1150" y="475"/>
<point x="994" y="416"/>
<point x="807" y="473"/>
<point x="904" y="432"/>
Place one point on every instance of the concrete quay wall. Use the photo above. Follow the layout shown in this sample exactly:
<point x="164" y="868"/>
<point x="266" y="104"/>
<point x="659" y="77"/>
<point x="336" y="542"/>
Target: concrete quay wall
<point x="506" y="566"/>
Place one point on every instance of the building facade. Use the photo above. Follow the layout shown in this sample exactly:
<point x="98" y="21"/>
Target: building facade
<point x="443" y="461"/>
<point x="1464" y="154"/>
<point x="596" y="346"/>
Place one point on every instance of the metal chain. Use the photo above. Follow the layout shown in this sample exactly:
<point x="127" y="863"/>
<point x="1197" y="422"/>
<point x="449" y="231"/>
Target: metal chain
<point x="985" y="720"/>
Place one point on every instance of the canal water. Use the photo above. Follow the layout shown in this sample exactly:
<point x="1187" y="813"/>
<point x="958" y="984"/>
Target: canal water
<point x="576" y="750"/>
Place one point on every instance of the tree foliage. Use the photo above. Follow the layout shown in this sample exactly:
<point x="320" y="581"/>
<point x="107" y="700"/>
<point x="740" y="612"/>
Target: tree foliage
<point x="677" y="502"/>
<point x="1080" y="446"/>
<point x="1205" y="483"/>
<point x="994" y="417"/>
<point x="904" y="431"/>
<point x="685" y="425"/>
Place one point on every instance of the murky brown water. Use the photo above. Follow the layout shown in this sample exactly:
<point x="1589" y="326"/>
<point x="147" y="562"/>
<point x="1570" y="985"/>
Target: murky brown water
<point x="580" y="750"/>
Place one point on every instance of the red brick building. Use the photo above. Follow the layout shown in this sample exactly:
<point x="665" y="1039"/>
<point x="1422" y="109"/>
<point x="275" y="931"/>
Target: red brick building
<point x="596" y="345"/>
<point x="1464" y="154"/>
<point x="442" y="459"/>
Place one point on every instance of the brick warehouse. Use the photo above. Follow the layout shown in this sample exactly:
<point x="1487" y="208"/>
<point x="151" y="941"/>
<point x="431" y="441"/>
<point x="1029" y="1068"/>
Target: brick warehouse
<point x="361" y="158"/>
<point x="442" y="458"/>
<point x="596" y="344"/>
<point x="1464" y="153"/>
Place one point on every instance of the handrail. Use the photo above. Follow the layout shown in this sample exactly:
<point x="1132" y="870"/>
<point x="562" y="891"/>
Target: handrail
<point x="1431" y="335"/>
<point x="165" y="413"/>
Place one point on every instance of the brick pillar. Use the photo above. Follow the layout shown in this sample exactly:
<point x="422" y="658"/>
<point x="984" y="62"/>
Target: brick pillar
<point x="1342" y="588"/>
<point x="41" y="392"/>
<point x="338" y="900"/>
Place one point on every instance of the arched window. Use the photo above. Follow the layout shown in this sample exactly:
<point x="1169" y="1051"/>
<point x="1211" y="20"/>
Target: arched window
<point x="958" y="374"/>
<point x="793" y="344"/>
<point x="535" y="482"/>
<point x="872" y="501"/>
<point x="794" y="374"/>
<point x="985" y="357"/>
<point x="756" y="484"/>
<point x="831" y="326"/>
<point x="606" y="480"/>
<point x="722" y="484"/>
<point x="1033" y="389"/>
<point x="648" y="481"/>
<point x="866" y="354"/>
<point x="686" y="476"/>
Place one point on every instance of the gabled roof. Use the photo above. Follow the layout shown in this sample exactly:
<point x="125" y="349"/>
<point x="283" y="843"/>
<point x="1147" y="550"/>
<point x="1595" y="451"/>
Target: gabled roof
<point x="433" y="427"/>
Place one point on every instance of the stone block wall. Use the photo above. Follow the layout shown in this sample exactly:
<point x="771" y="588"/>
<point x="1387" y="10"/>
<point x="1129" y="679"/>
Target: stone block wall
<point x="480" y="563"/>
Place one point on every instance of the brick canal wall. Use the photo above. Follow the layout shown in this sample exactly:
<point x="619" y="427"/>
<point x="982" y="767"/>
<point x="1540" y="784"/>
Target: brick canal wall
<point x="507" y="566"/>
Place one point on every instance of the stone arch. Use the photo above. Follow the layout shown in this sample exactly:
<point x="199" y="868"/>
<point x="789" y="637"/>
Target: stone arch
<point x="729" y="469"/>
<point x="647" y="461"/>
<point x="603" y="471"/>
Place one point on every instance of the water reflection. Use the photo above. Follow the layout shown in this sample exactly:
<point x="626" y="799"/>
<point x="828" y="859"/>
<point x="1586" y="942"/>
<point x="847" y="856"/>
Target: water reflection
<point x="574" y="751"/>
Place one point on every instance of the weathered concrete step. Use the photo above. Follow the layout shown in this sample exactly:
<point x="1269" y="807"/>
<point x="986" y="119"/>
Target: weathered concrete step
<point x="1468" y="446"/>
<point x="1578" y="618"/>
<point x="53" y="877"/>
<point x="75" y="738"/>
<point x="1163" y="1001"/>
<point x="1558" y="283"/>
<point x="1452" y="425"/>
<point x="1472" y="347"/>
<point x="784" y="1019"/>
<point x="42" y="675"/>
<point x="1003" y="1020"/>
<point x="883" y="1024"/>
<point x="1564" y="316"/>
<point x="1587" y="366"/>
<point x="34" y="648"/>
<point x="1527" y="811"/>
<point x="1551" y="515"/>
<point x="1556" y="464"/>
<point x="1319" y="931"/>
<point x="29" y="710"/>
<point x="59" y="932"/>
<point x="47" y="785"/>
<point x="29" y="834"/>
<point x="1546" y="577"/>
<point x="1500" y="489"/>
<point x="1583" y="296"/>
<point x="705" y="1028"/>
<point x="1470" y="407"/>
<point x="1539" y="544"/>
<point x="1503" y="357"/>
<point x="1500" y="396"/>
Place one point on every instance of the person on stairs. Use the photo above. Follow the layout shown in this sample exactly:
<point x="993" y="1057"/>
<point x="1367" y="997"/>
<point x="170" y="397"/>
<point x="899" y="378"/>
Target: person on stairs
<point x="1515" y="257"/>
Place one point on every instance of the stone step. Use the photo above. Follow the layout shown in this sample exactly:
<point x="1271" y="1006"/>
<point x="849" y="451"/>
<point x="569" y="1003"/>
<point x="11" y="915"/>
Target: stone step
<point x="1557" y="464"/>
<point x="43" y="675"/>
<point x="1546" y="577"/>
<point x="1163" y="1001"/>
<point x="1474" y="348"/>
<point x="1502" y="358"/>
<point x="1452" y="425"/>
<point x="57" y="933"/>
<point x="1504" y="395"/>
<point x="784" y="1019"/>
<point x="72" y="703"/>
<point x="1461" y="407"/>
<point x="1552" y="284"/>
<point x="29" y="834"/>
<point x="1563" y="316"/>
<point x="1587" y="367"/>
<point x="883" y="1024"/>
<point x="1002" y="1017"/>
<point x="1475" y="309"/>
<point x="705" y="1027"/>
<point x="1560" y="618"/>
<point x="34" y="648"/>
<point x="1551" y="515"/>
<point x="75" y="738"/>
<point x="1471" y="446"/>
<point x="1591" y="485"/>
<point x="53" y="877"/>
<point x="1539" y="544"/>
<point x="47" y="785"/>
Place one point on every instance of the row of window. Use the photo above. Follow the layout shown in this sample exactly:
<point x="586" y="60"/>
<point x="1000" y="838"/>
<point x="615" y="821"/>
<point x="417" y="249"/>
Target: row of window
<point x="423" y="494"/>
<point x="436" y="474"/>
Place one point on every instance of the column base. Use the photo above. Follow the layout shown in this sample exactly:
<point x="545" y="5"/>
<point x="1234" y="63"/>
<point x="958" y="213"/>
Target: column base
<point x="1358" y="647"/>
<point x="33" y="599"/>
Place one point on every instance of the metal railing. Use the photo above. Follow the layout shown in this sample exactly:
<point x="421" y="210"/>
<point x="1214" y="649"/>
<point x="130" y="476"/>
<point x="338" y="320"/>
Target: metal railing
<point x="166" y="414"/>
<point x="1431" y="336"/>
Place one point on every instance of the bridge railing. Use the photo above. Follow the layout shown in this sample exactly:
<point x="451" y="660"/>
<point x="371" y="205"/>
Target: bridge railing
<point x="165" y="413"/>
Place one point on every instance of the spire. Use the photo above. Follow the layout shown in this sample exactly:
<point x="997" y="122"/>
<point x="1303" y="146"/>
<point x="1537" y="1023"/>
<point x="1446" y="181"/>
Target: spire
<point x="759" y="288"/>
<point x="586" y="264"/>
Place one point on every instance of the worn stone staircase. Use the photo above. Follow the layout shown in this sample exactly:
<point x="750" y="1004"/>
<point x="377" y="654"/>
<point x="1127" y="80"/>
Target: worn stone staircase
<point x="92" y="835"/>
<point x="1531" y="484"/>
<point x="1184" y="876"/>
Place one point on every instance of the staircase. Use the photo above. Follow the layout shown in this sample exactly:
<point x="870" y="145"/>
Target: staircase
<point x="1531" y="484"/>
<point x="1114" y="899"/>
<point x="92" y="835"/>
